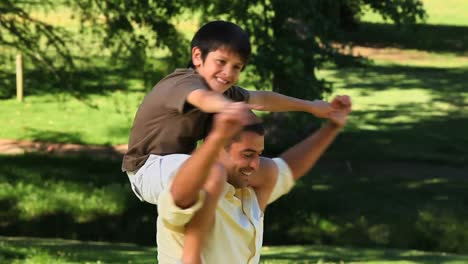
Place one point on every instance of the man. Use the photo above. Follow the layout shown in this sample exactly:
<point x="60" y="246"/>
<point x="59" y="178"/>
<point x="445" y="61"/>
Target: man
<point x="231" y="218"/>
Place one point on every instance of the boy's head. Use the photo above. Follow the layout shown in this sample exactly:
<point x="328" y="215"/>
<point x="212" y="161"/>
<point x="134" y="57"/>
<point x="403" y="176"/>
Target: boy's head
<point x="220" y="51"/>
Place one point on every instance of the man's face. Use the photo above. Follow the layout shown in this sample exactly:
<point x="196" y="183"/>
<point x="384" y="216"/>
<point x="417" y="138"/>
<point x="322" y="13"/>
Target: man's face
<point x="243" y="158"/>
<point x="220" y="69"/>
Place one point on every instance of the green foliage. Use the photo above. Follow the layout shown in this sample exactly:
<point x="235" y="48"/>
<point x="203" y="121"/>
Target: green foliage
<point x="291" y="38"/>
<point x="133" y="28"/>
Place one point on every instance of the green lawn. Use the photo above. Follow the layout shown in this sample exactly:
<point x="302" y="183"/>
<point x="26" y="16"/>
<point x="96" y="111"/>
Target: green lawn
<point x="46" y="251"/>
<point x="396" y="177"/>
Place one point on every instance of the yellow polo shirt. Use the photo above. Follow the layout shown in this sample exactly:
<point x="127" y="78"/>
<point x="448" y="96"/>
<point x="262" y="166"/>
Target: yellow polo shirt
<point x="237" y="233"/>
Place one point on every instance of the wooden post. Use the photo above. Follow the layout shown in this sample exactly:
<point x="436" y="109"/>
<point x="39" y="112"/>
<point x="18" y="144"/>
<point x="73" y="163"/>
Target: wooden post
<point x="19" y="78"/>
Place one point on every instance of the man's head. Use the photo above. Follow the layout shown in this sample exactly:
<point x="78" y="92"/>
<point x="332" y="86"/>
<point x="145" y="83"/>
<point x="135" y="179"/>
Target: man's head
<point x="242" y="158"/>
<point x="220" y="51"/>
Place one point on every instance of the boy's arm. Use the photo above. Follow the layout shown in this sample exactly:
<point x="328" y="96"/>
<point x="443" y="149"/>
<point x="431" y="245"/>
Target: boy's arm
<point x="208" y="101"/>
<point x="275" y="102"/>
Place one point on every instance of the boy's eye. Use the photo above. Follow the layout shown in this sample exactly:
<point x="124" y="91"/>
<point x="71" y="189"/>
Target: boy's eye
<point x="222" y="62"/>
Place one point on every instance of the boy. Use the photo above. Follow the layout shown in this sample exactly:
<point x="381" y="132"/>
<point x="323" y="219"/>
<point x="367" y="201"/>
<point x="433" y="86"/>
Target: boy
<point x="178" y="112"/>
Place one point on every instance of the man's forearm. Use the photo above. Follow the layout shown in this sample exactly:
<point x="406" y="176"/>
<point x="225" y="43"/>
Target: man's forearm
<point x="305" y="154"/>
<point x="192" y="174"/>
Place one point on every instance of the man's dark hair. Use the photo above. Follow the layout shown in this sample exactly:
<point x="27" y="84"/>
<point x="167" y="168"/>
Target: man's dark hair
<point x="256" y="128"/>
<point x="217" y="34"/>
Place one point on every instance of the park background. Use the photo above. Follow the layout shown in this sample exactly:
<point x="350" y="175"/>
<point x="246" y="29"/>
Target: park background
<point x="391" y="189"/>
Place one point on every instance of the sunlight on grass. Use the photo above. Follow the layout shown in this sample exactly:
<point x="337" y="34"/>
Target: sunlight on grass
<point x="99" y="119"/>
<point x="84" y="202"/>
<point x="440" y="12"/>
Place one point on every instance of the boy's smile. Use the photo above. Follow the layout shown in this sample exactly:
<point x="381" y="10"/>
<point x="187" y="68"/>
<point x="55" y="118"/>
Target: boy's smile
<point x="220" y="69"/>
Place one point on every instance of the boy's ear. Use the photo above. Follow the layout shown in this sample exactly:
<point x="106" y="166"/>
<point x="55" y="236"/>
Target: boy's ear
<point x="197" y="57"/>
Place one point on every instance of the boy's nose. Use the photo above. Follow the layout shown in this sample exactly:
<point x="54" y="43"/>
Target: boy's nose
<point x="227" y="72"/>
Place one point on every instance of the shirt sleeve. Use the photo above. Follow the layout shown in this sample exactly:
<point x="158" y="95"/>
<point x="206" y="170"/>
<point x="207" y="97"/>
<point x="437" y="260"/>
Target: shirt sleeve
<point x="176" y="97"/>
<point x="173" y="214"/>
<point x="284" y="182"/>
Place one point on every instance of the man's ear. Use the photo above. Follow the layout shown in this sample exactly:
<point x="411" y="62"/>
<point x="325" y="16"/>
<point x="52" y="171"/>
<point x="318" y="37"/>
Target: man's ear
<point x="197" y="57"/>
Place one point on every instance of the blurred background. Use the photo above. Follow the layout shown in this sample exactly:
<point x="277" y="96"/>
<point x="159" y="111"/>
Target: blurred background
<point x="391" y="189"/>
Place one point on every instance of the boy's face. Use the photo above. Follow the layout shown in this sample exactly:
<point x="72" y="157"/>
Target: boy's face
<point x="220" y="69"/>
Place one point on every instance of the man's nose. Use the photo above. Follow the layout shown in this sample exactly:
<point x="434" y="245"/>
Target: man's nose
<point x="255" y="163"/>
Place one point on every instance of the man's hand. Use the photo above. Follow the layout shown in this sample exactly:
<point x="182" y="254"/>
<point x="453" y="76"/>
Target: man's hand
<point x="341" y="103"/>
<point x="231" y="119"/>
<point x="342" y="107"/>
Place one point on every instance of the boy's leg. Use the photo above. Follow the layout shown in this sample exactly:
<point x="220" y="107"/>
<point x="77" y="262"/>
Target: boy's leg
<point x="197" y="229"/>
<point x="155" y="175"/>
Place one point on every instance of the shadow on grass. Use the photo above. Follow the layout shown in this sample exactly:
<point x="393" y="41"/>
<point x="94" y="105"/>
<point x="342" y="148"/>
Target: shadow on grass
<point x="41" y="196"/>
<point x="53" y="136"/>
<point x="375" y="204"/>
<point x="79" y="251"/>
<point x="439" y="139"/>
<point x="319" y="254"/>
<point x="433" y="38"/>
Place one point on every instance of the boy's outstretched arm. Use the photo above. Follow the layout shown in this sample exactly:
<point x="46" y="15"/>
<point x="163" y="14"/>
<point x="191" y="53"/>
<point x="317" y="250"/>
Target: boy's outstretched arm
<point x="208" y="101"/>
<point x="275" y="102"/>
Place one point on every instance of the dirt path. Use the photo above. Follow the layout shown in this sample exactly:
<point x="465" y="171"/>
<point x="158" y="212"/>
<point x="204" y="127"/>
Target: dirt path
<point x="12" y="147"/>
<point x="384" y="168"/>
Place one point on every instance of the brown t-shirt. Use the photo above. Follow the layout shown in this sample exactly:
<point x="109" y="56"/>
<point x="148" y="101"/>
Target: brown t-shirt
<point x="166" y="123"/>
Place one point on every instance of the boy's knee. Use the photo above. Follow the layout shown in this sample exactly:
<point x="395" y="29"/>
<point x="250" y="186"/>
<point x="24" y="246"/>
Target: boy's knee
<point x="216" y="180"/>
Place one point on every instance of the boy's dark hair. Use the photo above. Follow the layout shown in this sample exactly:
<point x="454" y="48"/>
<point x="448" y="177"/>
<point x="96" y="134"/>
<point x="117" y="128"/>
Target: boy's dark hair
<point x="216" y="34"/>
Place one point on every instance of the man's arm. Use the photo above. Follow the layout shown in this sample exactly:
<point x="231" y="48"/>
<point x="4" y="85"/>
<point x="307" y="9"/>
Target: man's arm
<point x="303" y="156"/>
<point x="299" y="158"/>
<point x="192" y="175"/>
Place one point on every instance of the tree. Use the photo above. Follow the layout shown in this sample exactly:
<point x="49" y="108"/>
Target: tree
<point x="293" y="38"/>
<point x="22" y="32"/>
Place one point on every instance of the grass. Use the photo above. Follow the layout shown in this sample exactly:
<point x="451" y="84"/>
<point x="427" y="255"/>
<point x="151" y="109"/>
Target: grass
<point x="348" y="203"/>
<point x="449" y="12"/>
<point x="395" y="178"/>
<point x="34" y="250"/>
